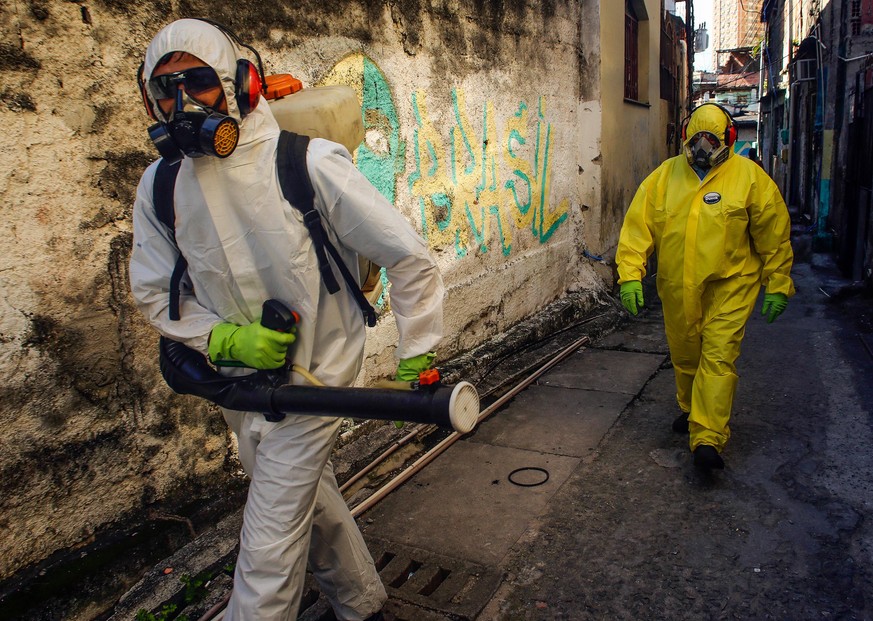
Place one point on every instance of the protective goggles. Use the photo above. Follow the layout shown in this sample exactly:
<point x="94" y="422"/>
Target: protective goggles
<point x="709" y="137"/>
<point x="195" y="81"/>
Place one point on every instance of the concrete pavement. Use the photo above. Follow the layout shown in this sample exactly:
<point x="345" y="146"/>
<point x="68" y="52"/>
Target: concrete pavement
<point x="605" y="517"/>
<point x="577" y="501"/>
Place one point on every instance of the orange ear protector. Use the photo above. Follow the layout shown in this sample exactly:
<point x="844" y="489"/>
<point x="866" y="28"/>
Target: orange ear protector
<point x="248" y="86"/>
<point x="730" y="132"/>
<point x="249" y="81"/>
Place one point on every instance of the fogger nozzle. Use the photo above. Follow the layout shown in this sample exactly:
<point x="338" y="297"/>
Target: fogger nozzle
<point x="464" y="407"/>
<point x="186" y="371"/>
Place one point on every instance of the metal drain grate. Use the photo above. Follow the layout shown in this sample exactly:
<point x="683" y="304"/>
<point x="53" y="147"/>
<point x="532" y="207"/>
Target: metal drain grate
<point x="421" y="586"/>
<point x="432" y="581"/>
<point x="400" y="611"/>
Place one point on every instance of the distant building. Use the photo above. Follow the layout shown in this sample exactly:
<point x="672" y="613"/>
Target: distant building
<point x="736" y="24"/>
<point x="737" y="35"/>
<point x="735" y="87"/>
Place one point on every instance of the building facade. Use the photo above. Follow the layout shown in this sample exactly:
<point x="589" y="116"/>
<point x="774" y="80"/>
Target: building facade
<point x="735" y="24"/>
<point x="817" y="121"/>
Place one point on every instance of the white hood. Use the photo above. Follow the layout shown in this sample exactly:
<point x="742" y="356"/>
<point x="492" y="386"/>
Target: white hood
<point x="204" y="41"/>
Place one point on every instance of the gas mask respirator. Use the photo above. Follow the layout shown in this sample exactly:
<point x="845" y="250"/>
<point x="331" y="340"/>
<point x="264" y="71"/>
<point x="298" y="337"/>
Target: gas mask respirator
<point x="191" y="128"/>
<point x="704" y="151"/>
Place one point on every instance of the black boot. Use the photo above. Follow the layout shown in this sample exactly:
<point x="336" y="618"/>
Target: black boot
<point x="707" y="458"/>
<point x="680" y="425"/>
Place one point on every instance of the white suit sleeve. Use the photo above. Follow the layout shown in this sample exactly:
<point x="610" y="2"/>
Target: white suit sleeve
<point x="365" y="222"/>
<point x="152" y="259"/>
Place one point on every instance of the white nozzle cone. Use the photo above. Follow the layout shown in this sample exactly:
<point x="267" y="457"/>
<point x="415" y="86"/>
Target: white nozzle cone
<point x="464" y="407"/>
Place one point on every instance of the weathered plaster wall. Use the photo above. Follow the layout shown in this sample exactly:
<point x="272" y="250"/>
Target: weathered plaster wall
<point x="473" y="112"/>
<point x="633" y="138"/>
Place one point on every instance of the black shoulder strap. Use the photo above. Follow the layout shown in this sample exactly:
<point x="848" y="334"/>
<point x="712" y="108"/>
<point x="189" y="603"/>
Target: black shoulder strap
<point x="162" y="194"/>
<point x="163" y="188"/>
<point x="297" y="189"/>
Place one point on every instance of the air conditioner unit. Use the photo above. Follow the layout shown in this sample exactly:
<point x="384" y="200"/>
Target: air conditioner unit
<point x="804" y="70"/>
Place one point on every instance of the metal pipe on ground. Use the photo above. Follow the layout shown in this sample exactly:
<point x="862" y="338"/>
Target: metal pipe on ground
<point x="385" y="455"/>
<point x="442" y="446"/>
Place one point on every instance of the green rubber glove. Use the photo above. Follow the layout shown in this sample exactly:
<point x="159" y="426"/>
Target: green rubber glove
<point x="408" y="369"/>
<point x="774" y="304"/>
<point x="254" y="345"/>
<point x="632" y="296"/>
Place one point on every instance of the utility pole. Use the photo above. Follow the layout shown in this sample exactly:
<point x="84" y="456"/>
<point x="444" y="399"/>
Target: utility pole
<point x="689" y="38"/>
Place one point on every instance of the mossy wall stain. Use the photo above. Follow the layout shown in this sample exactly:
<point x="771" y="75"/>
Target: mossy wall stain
<point x="13" y="58"/>
<point x="120" y="176"/>
<point x="17" y="101"/>
<point x="38" y="9"/>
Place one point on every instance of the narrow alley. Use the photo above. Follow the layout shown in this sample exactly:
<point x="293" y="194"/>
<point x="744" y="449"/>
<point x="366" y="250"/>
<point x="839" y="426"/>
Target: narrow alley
<point x="625" y="528"/>
<point x="577" y="500"/>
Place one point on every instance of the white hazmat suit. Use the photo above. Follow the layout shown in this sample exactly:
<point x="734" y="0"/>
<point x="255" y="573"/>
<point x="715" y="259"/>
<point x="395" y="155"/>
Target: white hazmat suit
<point x="244" y="244"/>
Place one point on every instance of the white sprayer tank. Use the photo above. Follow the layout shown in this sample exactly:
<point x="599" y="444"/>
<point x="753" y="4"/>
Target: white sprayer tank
<point x="331" y="112"/>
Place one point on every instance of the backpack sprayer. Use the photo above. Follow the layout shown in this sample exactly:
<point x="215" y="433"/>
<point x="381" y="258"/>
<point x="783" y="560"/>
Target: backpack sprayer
<point x="427" y="400"/>
<point x="331" y="112"/>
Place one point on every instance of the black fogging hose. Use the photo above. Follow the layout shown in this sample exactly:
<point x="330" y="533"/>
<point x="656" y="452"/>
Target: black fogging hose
<point x="187" y="372"/>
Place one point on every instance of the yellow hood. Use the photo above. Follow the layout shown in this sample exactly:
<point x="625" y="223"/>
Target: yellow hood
<point x="707" y="118"/>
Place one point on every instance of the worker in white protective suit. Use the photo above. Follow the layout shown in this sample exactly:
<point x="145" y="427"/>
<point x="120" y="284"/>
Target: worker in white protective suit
<point x="244" y="244"/>
<point x="721" y="231"/>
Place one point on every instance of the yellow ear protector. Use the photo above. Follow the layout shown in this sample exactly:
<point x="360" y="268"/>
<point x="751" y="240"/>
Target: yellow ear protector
<point x="730" y="132"/>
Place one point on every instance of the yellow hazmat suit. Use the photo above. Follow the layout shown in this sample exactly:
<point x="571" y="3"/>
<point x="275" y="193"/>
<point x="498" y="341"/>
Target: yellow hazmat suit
<point x="718" y="240"/>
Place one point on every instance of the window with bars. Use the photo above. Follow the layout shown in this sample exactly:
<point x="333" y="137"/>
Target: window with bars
<point x="855" y="17"/>
<point x="631" y="52"/>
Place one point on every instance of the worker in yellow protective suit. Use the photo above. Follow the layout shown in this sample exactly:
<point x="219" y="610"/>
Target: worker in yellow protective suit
<point x="721" y="231"/>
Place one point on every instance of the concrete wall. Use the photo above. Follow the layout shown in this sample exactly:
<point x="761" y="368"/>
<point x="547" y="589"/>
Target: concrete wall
<point x="483" y="126"/>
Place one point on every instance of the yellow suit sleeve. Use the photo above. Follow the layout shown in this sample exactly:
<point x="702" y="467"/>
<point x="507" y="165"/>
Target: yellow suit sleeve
<point x="636" y="242"/>
<point x="770" y="227"/>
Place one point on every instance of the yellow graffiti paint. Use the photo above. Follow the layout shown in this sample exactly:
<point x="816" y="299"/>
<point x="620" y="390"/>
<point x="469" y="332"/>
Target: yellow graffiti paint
<point x="430" y="181"/>
<point x="477" y="190"/>
<point x="349" y="71"/>
<point x="469" y="199"/>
